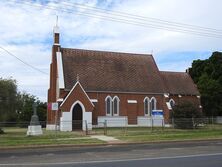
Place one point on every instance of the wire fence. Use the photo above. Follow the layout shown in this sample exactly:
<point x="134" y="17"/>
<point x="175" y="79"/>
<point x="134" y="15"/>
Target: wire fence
<point x="110" y="127"/>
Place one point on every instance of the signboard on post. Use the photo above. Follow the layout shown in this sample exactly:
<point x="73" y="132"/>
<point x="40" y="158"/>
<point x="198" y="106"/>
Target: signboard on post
<point x="157" y="118"/>
<point x="54" y="106"/>
<point x="157" y="113"/>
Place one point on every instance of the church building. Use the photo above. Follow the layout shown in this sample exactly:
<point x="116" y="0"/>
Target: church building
<point x="121" y="89"/>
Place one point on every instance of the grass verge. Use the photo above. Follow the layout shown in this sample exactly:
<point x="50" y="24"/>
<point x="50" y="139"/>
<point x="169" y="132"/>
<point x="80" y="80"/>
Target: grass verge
<point x="17" y="137"/>
<point x="166" y="134"/>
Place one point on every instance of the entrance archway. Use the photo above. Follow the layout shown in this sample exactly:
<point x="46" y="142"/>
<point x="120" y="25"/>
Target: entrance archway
<point x="77" y="115"/>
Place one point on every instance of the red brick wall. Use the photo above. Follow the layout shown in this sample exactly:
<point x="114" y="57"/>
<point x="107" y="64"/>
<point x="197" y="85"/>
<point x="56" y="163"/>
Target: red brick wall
<point x="77" y="94"/>
<point x="125" y="107"/>
<point x="99" y="109"/>
<point x="56" y="38"/>
<point x="62" y="93"/>
<point x="52" y="85"/>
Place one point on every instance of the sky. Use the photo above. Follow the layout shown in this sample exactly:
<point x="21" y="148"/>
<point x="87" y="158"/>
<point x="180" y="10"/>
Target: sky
<point x="26" y="29"/>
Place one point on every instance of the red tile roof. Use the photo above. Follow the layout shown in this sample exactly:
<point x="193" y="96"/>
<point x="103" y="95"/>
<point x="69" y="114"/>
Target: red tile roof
<point x="179" y="83"/>
<point x="122" y="72"/>
<point x="111" y="71"/>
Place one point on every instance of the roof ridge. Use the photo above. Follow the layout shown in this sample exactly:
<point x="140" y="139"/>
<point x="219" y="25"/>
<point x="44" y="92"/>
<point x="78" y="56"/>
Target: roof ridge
<point x="172" y="72"/>
<point x="114" y="52"/>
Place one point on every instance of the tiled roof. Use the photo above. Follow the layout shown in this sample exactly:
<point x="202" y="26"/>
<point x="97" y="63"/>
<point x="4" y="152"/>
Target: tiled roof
<point x="179" y="83"/>
<point x="111" y="71"/>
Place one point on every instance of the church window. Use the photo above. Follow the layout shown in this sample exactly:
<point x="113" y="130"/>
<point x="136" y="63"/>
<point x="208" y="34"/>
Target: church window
<point x="153" y="104"/>
<point x="146" y="106"/>
<point x="108" y="106"/>
<point x="172" y="103"/>
<point x="116" y="106"/>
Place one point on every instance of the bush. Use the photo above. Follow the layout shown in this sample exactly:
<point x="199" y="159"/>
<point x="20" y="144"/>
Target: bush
<point x="1" y="131"/>
<point x="186" y="116"/>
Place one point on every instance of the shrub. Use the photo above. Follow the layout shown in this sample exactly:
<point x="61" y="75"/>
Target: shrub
<point x="1" y="131"/>
<point x="186" y="116"/>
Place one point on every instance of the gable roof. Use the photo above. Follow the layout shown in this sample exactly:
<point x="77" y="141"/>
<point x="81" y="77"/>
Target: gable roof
<point x="77" y="93"/>
<point x="179" y="83"/>
<point x="111" y="71"/>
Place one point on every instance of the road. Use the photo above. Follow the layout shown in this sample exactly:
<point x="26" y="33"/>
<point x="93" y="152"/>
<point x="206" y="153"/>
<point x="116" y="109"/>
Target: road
<point x="174" y="154"/>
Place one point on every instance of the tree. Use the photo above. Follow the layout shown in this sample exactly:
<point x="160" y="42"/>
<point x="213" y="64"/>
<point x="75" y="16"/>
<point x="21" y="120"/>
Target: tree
<point x="17" y="106"/>
<point x="8" y="89"/>
<point x="24" y="107"/>
<point x="8" y="93"/>
<point x="186" y="115"/>
<point x="207" y="74"/>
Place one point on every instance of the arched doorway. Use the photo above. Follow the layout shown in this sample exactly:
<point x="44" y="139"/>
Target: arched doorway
<point x="77" y="117"/>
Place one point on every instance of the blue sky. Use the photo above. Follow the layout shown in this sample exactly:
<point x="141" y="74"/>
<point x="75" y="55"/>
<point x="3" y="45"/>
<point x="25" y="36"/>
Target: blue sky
<point x="26" y="31"/>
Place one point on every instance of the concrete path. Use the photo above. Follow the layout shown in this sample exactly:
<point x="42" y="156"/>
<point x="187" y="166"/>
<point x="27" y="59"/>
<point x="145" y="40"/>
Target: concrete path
<point x="107" y="139"/>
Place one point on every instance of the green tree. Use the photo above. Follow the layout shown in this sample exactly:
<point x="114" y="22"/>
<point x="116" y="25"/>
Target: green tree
<point x="8" y="89"/>
<point x="8" y="94"/>
<point x="17" y="106"/>
<point x="25" y="102"/>
<point x="207" y="74"/>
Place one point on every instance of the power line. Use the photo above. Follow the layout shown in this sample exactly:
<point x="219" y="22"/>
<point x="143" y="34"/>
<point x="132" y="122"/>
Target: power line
<point x="132" y="22"/>
<point x="74" y="4"/>
<point x="156" y="23"/>
<point x="27" y="64"/>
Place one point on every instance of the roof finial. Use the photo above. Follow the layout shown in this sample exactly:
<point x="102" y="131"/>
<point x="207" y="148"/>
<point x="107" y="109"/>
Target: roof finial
<point x="56" y="27"/>
<point x="77" y="78"/>
<point x="57" y="19"/>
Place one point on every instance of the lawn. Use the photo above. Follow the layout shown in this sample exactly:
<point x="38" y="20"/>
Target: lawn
<point x="167" y="134"/>
<point x="17" y="137"/>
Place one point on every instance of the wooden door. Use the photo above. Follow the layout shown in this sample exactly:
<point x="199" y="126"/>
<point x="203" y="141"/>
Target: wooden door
<point x="132" y="113"/>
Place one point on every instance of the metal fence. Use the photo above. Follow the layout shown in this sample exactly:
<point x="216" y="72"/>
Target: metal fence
<point x="108" y="127"/>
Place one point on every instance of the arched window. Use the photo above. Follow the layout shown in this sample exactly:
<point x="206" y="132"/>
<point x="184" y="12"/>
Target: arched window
<point x="153" y="103"/>
<point x="146" y="106"/>
<point x="108" y="106"/>
<point x="172" y="103"/>
<point x="116" y="106"/>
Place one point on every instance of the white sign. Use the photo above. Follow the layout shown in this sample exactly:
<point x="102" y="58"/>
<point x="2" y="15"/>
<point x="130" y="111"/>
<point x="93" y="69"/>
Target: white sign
<point x="55" y="106"/>
<point x="132" y="101"/>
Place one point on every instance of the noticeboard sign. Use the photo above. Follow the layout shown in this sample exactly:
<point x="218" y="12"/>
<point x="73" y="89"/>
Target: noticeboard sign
<point x="54" y="106"/>
<point x="157" y="113"/>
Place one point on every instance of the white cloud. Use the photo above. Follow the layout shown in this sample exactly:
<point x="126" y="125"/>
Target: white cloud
<point x="26" y="31"/>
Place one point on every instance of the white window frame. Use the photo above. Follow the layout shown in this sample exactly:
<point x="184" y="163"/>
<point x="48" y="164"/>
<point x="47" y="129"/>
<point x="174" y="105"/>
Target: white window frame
<point x="118" y="101"/>
<point x="155" y="101"/>
<point x="171" y="100"/>
<point x="148" y="100"/>
<point x="111" y="102"/>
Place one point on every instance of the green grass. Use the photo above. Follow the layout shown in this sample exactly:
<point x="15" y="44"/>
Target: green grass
<point x="17" y="137"/>
<point x="166" y="134"/>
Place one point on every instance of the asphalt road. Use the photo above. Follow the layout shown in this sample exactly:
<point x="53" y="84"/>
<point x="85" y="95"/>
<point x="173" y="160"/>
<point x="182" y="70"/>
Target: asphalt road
<point x="182" y="154"/>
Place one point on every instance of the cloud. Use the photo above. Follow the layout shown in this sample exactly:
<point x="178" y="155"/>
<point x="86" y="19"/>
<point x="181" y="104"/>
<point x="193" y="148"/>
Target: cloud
<point x="26" y="31"/>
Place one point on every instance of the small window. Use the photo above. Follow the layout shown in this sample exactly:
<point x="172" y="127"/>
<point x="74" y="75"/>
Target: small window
<point x="108" y="106"/>
<point x="116" y="106"/>
<point x="146" y="106"/>
<point x="153" y="104"/>
<point x="172" y="103"/>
